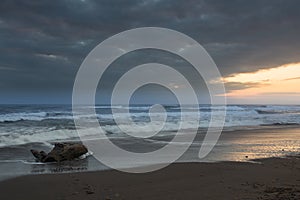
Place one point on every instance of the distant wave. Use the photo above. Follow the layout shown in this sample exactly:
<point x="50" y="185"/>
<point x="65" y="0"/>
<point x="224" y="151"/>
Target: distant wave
<point x="267" y="112"/>
<point x="19" y="117"/>
<point x="277" y="111"/>
<point x="208" y="108"/>
<point x="22" y="117"/>
<point x="12" y="117"/>
<point x="280" y="124"/>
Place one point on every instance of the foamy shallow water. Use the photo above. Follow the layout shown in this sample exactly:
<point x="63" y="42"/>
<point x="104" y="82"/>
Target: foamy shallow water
<point x="238" y="145"/>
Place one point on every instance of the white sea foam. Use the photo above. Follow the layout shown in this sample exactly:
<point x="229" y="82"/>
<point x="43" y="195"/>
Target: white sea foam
<point x="32" y="129"/>
<point x="39" y="137"/>
<point x="22" y="116"/>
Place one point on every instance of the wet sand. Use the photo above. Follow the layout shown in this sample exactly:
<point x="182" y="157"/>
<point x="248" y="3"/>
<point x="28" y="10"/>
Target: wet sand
<point x="272" y="178"/>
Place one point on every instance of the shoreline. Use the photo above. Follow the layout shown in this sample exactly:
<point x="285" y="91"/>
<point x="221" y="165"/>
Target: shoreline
<point x="234" y="145"/>
<point x="269" y="178"/>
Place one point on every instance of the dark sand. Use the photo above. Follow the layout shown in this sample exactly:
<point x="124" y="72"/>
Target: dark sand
<point x="274" y="178"/>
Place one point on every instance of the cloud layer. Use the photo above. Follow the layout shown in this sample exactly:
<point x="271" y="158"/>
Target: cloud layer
<point x="44" y="42"/>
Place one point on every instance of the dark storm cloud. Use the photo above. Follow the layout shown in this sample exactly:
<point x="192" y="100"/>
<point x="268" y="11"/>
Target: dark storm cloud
<point x="42" y="43"/>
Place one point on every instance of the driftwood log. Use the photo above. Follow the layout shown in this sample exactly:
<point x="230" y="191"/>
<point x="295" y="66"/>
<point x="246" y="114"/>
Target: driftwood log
<point x="61" y="152"/>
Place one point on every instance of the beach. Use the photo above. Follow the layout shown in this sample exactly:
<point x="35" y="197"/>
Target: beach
<point x="256" y="157"/>
<point x="245" y="164"/>
<point x="242" y="145"/>
<point x="272" y="178"/>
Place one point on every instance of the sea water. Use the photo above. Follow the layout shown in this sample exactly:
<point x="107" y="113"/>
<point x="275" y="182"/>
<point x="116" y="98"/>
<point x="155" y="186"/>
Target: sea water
<point x="25" y="127"/>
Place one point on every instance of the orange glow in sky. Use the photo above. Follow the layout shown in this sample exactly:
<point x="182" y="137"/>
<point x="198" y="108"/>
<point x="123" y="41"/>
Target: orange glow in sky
<point x="275" y="82"/>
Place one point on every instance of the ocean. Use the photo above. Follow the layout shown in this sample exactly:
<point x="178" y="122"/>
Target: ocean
<point x="25" y="127"/>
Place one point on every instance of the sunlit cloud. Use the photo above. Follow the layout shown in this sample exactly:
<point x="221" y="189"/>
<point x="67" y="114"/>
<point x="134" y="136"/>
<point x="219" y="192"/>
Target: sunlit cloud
<point x="279" y="81"/>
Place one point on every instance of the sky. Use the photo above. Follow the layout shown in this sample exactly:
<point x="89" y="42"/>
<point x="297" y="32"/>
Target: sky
<point x="255" y="45"/>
